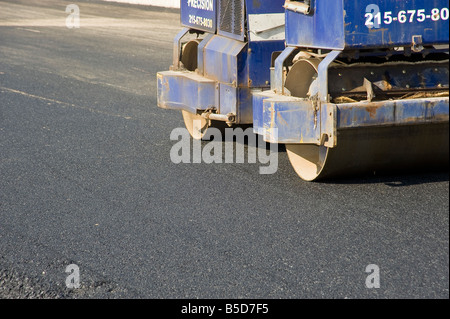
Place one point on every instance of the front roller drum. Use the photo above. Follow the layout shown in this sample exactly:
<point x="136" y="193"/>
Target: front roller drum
<point x="421" y="147"/>
<point x="365" y="150"/>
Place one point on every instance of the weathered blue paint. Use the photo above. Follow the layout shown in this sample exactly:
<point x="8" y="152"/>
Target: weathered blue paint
<point x="393" y="112"/>
<point x="294" y="118"/>
<point x="341" y="24"/>
<point x="231" y="69"/>
<point x="245" y="107"/>
<point x="191" y="92"/>
<point x="228" y="99"/>
<point x="278" y="85"/>
<point x="201" y="50"/>
<point x="259" y="61"/>
<point x="221" y="59"/>
<point x="258" y="111"/>
<point x="177" y="47"/>
<point x="323" y="74"/>
<point x="185" y="91"/>
<point x="265" y="6"/>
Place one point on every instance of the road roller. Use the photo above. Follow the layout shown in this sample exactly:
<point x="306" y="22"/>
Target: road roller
<point x="350" y="87"/>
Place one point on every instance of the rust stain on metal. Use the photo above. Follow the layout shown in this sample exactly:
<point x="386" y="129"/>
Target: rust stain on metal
<point x="281" y="119"/>
<point x="372" y="109"/>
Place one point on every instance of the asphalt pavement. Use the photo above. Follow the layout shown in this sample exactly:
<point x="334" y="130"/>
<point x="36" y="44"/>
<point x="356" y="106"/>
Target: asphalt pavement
<point x="86" y="179"/>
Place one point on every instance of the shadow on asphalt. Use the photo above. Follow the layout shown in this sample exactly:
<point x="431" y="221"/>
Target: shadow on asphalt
<point x="395" y="179"/>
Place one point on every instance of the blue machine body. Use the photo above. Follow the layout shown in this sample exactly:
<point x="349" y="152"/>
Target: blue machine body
<point x="234" y="58"/>
<point x="293" y="118"/>
<point x="232" y="61"/>
<point x="360" y="84"/>
<point x="353" y="29"/>
<point x="365" y="24"/>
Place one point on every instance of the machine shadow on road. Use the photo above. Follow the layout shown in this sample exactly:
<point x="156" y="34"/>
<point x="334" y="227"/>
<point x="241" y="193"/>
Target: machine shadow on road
<point x="397" y="179"/>
<point x="394" y="178"/>
<point x="245" y="141"/>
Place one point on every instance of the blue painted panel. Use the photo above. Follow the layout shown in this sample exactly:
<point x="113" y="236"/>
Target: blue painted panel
<point x="185" y="91"/>
<point x="245" y="107"/>
<point x="221" y="59"/>
<point x="324" y="28"/>
<point x="200" y="51"/>
<point x="259" y="61"/>
<point x="397" y="112"/>
<point x="258" y="111"/>
<point x="199" y="14"/>
<point x="395" y="22"/>
<point x="265" y="6"/>
<point x="237" y="101"/>
<point x="293" y="118"/>
<point x="228" y="99"/>
<point x="345" y="24"/>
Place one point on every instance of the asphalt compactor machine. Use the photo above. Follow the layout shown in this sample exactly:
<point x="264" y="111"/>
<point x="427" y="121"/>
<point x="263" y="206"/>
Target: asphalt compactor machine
<point x="348" y="86"/>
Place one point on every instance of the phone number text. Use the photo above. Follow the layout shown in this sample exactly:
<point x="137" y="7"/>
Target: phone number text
<point x="376" y="18"/>
<point x="201" y="21"/>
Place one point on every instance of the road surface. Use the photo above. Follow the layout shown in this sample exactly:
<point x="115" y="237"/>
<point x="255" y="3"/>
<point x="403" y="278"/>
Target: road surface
<point x="86" y="179"/>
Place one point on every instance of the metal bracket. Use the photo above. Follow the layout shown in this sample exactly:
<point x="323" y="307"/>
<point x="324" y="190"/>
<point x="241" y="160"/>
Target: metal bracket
<point x="323" y="74"/>
<point x="177" y="49"/>
<point x="328" y="111"/>
<point x="417" y="43"/>
<point x="280" y="75"/>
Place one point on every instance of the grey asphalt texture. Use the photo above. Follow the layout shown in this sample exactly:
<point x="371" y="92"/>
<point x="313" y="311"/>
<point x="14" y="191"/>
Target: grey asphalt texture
<point x="86" y="179"/>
